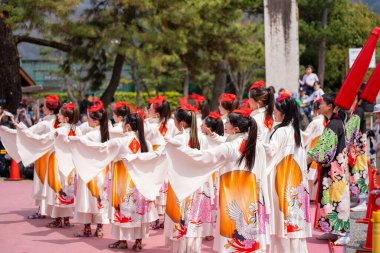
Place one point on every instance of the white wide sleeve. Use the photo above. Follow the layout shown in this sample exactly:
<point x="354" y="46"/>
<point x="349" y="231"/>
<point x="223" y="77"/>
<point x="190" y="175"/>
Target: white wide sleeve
<point x="63" y="154"/>
<point x="190" y="168"/>
<point x="32" y="146"/>
<point x="148" y="172"/>
<point x="8" y="138"/>
<point x="308" y="134"/>
<point x="90" y="158"/>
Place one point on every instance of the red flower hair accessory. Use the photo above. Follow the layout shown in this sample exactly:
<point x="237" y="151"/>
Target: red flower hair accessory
<point x="244" y="104"/>
<point x="157" y="101"/>
<point x="120" y="104"/>
<point x="319" y="100"/>
<point x="187" y="107"/>
<point x="245" y="112"/>
<point x="283" y="95"/>
<point x="53" y="101"/>
<point x="97" y="106"/>
<point x="257" y="84"/>
<point x="227" y="97"/>
<point x="69" y="106"/>
<point x="197" y="97"/>
<point x="214" y="115"/>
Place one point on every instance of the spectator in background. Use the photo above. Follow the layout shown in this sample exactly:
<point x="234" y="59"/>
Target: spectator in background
<point x="84" y="104"/>
<point x="305" y="109"/>
<point x="317" y="94"/>
<point x="23" y="115"/>
<point x="308" y="80"/>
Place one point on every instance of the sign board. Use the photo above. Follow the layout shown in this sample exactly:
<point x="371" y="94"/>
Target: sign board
<point x="353" y="54"/>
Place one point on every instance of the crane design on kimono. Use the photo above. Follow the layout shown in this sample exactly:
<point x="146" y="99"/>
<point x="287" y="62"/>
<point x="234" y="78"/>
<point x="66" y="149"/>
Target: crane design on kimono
<point x="244" y="231"/>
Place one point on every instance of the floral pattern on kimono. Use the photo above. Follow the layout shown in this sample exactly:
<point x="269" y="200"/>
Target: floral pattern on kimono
<point x="357" y="159"/>
<point x="333" y="209"/>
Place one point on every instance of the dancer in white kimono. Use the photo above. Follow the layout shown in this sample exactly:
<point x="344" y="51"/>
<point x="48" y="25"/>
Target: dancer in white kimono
<point x="188" y="221"/>
<point x="227" y="103"/>
<point x="241" y="217"/>
<point x="131" y="213"/>
<point x="287" y="174"/>
<point x="261" y="101"/>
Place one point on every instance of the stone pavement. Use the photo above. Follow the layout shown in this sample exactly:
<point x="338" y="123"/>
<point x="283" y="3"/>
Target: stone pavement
<point x="20" y="235"/>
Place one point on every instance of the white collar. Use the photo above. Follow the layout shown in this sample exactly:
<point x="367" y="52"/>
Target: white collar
<point x="258" y="111"/>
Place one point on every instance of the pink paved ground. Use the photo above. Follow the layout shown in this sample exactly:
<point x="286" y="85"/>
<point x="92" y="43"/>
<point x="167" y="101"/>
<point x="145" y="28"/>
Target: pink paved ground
<point x="20" y="235"/>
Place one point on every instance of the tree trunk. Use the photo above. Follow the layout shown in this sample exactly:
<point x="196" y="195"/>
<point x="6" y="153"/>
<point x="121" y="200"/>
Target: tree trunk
<point x="186" y="83"/>
<point x="219" y="83"/>
<point x="115" y="79"/>
<point x="322" y="48"/>
<point x="10" y="87"/>
<point x="136" y="81"/>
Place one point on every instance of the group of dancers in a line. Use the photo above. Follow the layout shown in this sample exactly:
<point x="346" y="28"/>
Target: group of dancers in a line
<point x="248" y="168"/>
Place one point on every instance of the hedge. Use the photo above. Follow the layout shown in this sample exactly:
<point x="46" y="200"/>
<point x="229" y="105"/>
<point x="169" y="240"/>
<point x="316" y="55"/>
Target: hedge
<point x="129" y="97"/>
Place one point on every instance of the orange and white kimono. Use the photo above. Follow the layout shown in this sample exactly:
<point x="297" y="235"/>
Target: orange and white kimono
<point x="130" y="212"/>
<point x="189" y="220"/>
<point x="241" y="217"/>
<point x="289" y="203"/>
<point x="310" y="137"/>
<point x="157" y="130"/>
<point x="91" y="200"/>
<point x="60" y="183"/>
<point x="264" y="124"/>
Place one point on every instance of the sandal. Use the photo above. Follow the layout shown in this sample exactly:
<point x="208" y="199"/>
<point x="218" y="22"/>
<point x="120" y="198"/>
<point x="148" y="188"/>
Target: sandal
<point x="118" y="245"/>
<point x="209" y="238"/>
<point x="99" y="232"/>
<point x="85" y="233"/>
<point x="57" y="223"/>
<point x="137" y="246"/>
<point x="36" y="216"/>
<point x="66" y="223"/>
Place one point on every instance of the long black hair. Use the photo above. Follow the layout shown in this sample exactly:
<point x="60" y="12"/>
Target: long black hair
<point x="190" y="118"/>
<point x="289" y="108"/>
<point x="265" y="97"/>
<point x="101" y="116"/>
<point x="164" y="111"/>
<point x="137" y="125"/>
<point x="204" y="109"/>
<point x="246" y="124"/>
<point x="216" y="125"/>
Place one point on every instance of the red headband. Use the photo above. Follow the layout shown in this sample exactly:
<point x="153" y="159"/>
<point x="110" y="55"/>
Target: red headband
<point x="53" y="100"/>
<point x="283" y="95"/>
<point x="120" y="104"/>
<point x="69" y="106"/>
<point x="187" y="107"/>
<point x="227" y="97"/>
<point x="319" y="100"/>
<point x="257" y="84"/>
<point x="197" y="97"/>
<point x="97" y="106"/>
<point x="157" y="101"/>
<point x="245" y="112"/>
<point x="244" y="104"/>
<point x="214" y="115"/>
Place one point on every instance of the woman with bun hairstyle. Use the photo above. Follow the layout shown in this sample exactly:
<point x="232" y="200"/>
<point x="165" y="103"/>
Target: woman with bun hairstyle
<point x="227" y="103"/>
<point x="261" y="101"/>
<point x="241" y="213"/>
<point x="286" y="172"/>
<point x="332" y="214"/>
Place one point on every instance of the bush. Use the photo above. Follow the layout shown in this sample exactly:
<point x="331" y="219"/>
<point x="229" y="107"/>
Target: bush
<point x="129" y="97"/>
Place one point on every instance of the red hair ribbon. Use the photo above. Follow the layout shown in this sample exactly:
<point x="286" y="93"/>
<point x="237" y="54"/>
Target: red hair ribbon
<point x="197" y="97"/>
<point x="244" y="104"/>
<point x="214" y="115"/>
<point x="97" y="106"/>
<point x="245" y="112"/>
<point x="157" y="101"/>
<point x="69" y="106"/>
<point x="319" y="100"/>
<point x="187" y="107"/>
<point x="227" y="97"/>
<point x="120" y="104"/>
<point x="140" y="113"/>
<point x="283" y="95"/>
<point x="268" y="122"/>
<point x="257" y="84"/>
<point x="53" y="101"/>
